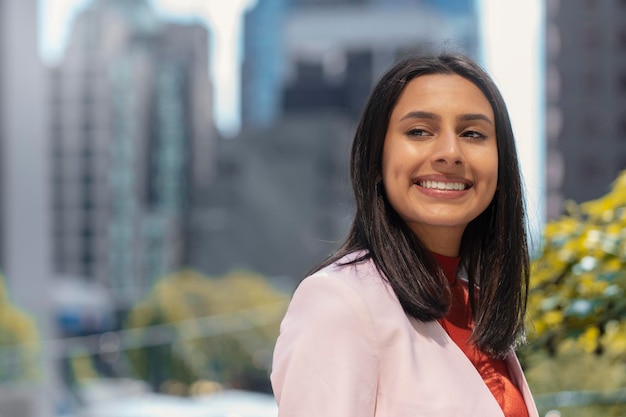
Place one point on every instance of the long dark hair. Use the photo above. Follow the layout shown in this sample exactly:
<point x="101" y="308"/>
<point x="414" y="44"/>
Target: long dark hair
<point x="494" y="250"/>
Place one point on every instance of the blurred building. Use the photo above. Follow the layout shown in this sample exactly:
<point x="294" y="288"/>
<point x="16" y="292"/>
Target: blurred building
<point x="131" y="142"/>
<point x="586" y="99"/>
<point x="282" y="200"/>
<point x="264" y="62"/>
<point x="450" y="8"/>
<point x="23" y="191"/>
<point x="24" y="216"/>
<point x="303" y="55"/>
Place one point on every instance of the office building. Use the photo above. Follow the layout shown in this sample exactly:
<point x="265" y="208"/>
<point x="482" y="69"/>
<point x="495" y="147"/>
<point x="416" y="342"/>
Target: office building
<point x="131" y="138"/>
<point x="24" y="215"/>
<point x="305" y="56"/>
<point x="281" y="201"/>
<point x="586" y="99"/>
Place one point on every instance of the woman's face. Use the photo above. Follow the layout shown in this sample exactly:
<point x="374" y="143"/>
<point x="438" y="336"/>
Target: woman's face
<point x="440" y="158"/>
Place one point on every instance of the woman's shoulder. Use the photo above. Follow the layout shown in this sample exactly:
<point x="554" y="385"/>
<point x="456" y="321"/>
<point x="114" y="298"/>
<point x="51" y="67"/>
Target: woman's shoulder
<point x="354" y="276"/>
<point x="355" y="268"/>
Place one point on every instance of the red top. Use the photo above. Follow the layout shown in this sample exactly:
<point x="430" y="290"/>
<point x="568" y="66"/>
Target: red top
<point x="458" y="324"/>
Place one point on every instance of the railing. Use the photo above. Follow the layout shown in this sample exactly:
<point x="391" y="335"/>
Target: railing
<point x="563" y="399"/>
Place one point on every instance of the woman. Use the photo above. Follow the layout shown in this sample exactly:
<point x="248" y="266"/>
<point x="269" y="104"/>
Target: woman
<point x="418" y="312"/>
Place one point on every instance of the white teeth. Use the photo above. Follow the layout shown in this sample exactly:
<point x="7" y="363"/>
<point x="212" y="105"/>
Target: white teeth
<point x="438" y="185"/>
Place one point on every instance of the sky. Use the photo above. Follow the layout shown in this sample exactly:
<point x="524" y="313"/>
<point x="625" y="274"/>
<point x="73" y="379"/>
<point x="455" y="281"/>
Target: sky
<point x="512" y="52"/>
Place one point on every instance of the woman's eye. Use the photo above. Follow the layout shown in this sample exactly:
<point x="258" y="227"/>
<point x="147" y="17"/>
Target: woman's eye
<point x="417" y="132"/>
<point x="473" y="134"/>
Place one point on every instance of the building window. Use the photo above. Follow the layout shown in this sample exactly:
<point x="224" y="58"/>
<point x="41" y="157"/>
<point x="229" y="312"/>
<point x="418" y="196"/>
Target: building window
<point x="591" y="38"/>
<point x="59" y="258"/>
<point x="621" y="37"/>
<point x="621" y="127"/>
<point x="87" y="204"/>
<point x="592" y="82"/>
<point x="590" y="169"/>
<point x="87" y="181"/>
<point x="591" y="121"/>
<point x="86" y="233"/>
<point x="621" y="82"/>
<point x="621" y="163"/>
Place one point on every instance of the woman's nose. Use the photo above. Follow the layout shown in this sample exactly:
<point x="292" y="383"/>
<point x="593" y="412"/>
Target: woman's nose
<point x="448" y="150"/>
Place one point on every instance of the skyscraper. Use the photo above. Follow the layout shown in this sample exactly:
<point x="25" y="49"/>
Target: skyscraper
<point x="24" y="251"/>
<point x="131" y="136"/>
<point x="283" y="201"/>
<point x="263" y="63"/>
<point x="308" y="55"/>
<point x="586" y="99"/>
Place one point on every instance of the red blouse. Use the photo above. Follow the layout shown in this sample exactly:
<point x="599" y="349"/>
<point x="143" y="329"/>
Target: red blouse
<point x="458" y="324"/>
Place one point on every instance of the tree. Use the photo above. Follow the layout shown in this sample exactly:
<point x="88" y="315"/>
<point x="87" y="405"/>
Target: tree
<point x="19" y="341"/>
<point x="578" y="282"/>
<point x="577" y="309"/>
<point x="219" y="329"/>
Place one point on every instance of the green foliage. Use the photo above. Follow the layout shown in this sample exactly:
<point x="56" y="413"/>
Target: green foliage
<point x="577" y="296"/>
<point x="591" y="379"/>
<point x="19" y="341"/>
<point x="221" y="329"/>
<point x="577" y="308"/>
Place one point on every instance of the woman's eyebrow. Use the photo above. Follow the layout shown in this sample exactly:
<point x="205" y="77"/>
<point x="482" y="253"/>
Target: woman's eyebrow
<point x="474" y="116"/>
<point x="421" y="115"/>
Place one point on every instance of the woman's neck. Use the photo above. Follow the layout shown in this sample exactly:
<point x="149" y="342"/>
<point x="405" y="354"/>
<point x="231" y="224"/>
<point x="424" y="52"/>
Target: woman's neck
<point x="449" y="265"/>
<point x="442" y="240"/>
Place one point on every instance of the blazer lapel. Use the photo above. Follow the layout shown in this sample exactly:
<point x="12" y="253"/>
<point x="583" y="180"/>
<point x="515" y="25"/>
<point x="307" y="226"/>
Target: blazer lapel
<point x="469" y="371"/>
<point x="515" y="369"/>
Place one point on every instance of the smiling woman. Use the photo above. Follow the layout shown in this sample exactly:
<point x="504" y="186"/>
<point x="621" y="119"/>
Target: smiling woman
<point x="440" y="162"/>
<point x="419" y="311"/>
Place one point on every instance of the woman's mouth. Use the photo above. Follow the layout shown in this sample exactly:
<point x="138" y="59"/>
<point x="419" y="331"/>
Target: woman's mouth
<point x="441" y="185"/>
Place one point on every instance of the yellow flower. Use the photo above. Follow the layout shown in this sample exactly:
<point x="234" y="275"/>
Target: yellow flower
<point x="614" y="338"/>
<point x="553" y="318"/>
<point x="589" y="339"/>
<point x="589" y="286"/>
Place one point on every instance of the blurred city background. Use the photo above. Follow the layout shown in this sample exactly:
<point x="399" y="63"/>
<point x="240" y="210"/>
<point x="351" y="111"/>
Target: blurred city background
<point x="170" y="170"/>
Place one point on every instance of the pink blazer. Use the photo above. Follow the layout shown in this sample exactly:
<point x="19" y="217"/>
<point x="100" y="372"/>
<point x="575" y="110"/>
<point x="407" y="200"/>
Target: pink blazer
<point x="347" y="349"/>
